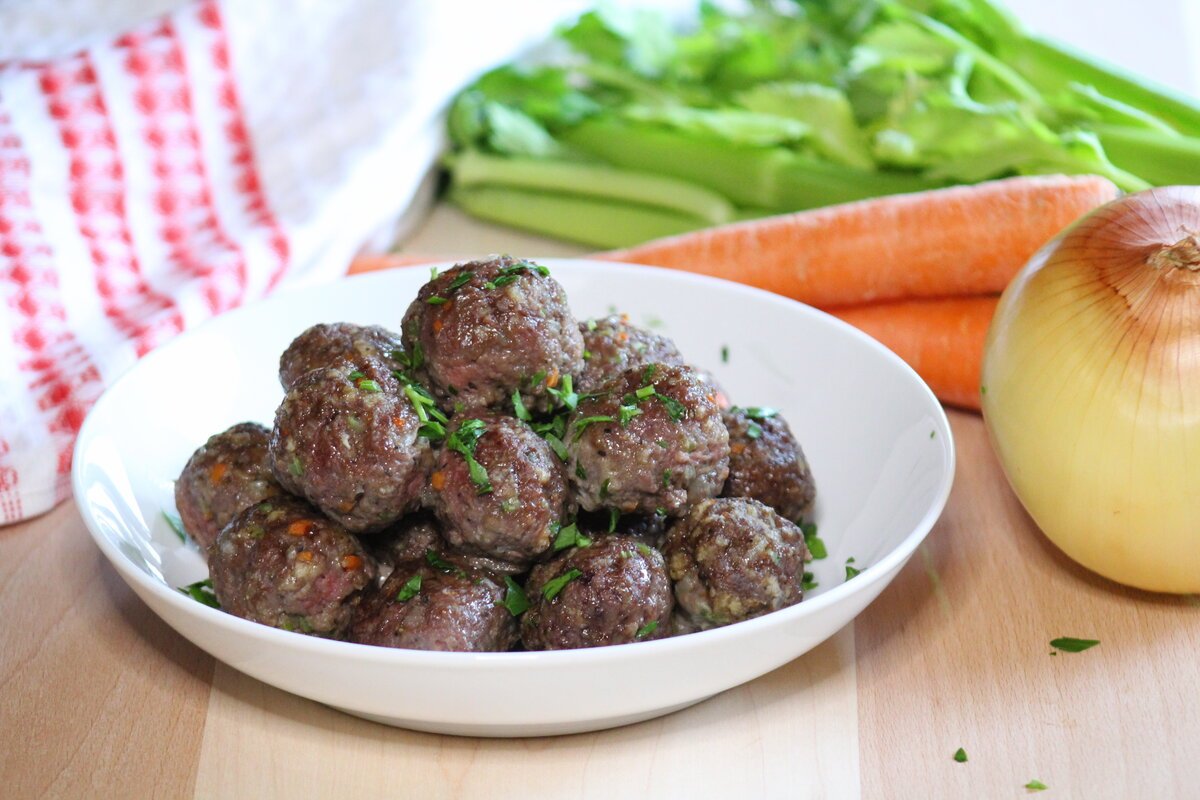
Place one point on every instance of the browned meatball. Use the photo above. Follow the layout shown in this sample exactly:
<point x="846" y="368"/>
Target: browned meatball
<point x="485" y="329"/>
<point x="283" y="564"/>
<point x="228" y="473"/>
<point x="346" y="437"/>
<point x="328" y="345"/>
<point x="414" y="536"/>
<point x="612" y="345"/>
<point x="732" y="559"/>
<point x="451" y="607"/>
<point x="653" y="442"/>
<point x="500" y="490"/>
<point x="766" y="462"/>
<point x="614" y="591"/>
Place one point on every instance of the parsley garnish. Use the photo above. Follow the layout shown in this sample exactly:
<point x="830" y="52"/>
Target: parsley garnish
<point x="626" y="413"/>
<point x="411" y="361"/>
<point x="463" y="441"/>
<point x="582" y="423"/>
<point x="1036" y="786"/>
<point x="557" y="446"/>
<point x="566" y="396"/>
<point x="510" y="273"/>
<point x="808" y="582"/>
<point x="410" y="589"/>
<point x="851" y="571"/>
<point x="356" y="376"/>
<point x="433" y="421"/>
<point x="604" y="488"/>
<point x="435" y="300"/>
<point x="816" y="547"/>
<point x="1069" y="644"/>
<point x="369" y="385"/>
<point x="675" y="409"/>
<point x="295" y="467"/>
<point x="754" y="430"/>
<point x="724" y="354"/>
<point x="580" y="472"/>
<point x="176" y="525"/>
<point x="757" y="412"/>
<point x="644" y="392"/>
<point x="647" y="629"/>
<point x="201" y="592"/>
<point x="519" y="409"/>
<point x="569" y="536"/>
<point x="552" y="587"/>
<point x="514" y="597"/>
<point x="460" y="280"/>
<point x="613" y="516"/>
<point x="648" y="373"/>
<point x="960" y="756"/>
<point x="645" y="549"/>
<point x="435" y="560"/>
<point x="666" y="478"/>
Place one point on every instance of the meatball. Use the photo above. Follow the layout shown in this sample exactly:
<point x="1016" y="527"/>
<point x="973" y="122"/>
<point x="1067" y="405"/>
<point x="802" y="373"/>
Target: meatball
<point x="611" y="346"/>
<point x="228" y="473"/>
<point x="283" y="564"/>
<point x="414" y="536"/>
<point x="500" y="490"/>
<point x="485" y="329"/>
<point x="767" y="464"/>
<point x="427" y="607"/>
<point x="733" y="559"/>
<point x="346" y="438"/>
<point x="652" y="442"/>
<point x="328" y="345"/>
<point x="614" y="591"/>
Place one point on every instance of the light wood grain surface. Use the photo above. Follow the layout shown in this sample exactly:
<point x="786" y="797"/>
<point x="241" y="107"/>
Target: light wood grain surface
<point x="99" y="698"/>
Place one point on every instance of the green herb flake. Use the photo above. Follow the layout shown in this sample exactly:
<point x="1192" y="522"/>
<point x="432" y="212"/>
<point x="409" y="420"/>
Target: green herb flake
<point x="627" y="413"/>
<point x="662" y="443"/>
<point x="463" y="441"/>
<point x="613" y="517"/>
<point x="514" y="597"/>
<point x="675" y="409"/>
<point x="557" y="446"/>
<point x="644" y="392"/>
<point x="851" y="571"/>
<point x="724" y="354"/>
<point x="519" y="409"/>
<point x="356" y="376"/>
<point x="460" y="280"/>
<point x="1070" y="644"/>
<point x="552" y="587"/>
<point x="566" y="396"/>
<point x="510" y="505"/>
<point x="645" y="549"/>
<point x="960" y="756"/>
<point x="582" y="424"/>
<point x="411" y="587"/>
<point x="666" y="478"/>
<point x="587" y="355"/>
<point x="434" y="559"/>
<point x="201" y="592"/>
<point x="816" y="547"/>
<point x="369" y="385"/>
<point x="176" y="525"/>
<point x="648" y="374"/>
<point x="604" y="488"/>
<point x="754" y="431"/>
<point x="808" y="582"/>
<point x="932" y="434"/>
<point x="295" y="466"/>
<point x="1036" y="786"/>
<point x="647" y="629"/>
<point x="580" y="472"/>
<point x="435" y="300"/>
<point x="569" y="536"/>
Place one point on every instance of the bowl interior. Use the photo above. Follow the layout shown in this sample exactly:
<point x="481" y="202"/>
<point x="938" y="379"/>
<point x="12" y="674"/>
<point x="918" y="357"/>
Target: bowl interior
<point x="877" y="440"/>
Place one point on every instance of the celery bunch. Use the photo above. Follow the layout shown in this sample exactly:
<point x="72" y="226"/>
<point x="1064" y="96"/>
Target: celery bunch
<point x="637" y="129"/>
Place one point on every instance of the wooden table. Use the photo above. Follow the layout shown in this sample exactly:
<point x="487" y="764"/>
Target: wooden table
<point x="99" y="698"/>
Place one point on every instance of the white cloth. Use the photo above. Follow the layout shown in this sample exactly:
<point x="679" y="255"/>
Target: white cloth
<point x="164" y="175"/>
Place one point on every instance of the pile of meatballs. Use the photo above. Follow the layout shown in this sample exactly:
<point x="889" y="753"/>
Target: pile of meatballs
<point x="499" y="476"/>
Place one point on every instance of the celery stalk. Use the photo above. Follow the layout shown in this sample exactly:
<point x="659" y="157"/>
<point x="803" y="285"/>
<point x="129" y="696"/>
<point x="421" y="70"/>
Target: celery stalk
<point x="1161" y="160"/>
<point x="473" y="168"/>
<point x="596" y="223"/>
<point x="1053" y="66"/>
<point x="769" y="178"/>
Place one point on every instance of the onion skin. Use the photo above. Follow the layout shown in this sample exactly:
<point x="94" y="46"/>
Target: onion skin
<point x="1091" y="389"/>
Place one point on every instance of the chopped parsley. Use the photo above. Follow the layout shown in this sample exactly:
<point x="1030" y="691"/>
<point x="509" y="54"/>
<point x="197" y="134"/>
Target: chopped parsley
<point x="369" y="385"/>
<point x="582" y="423"/>
<point x="176" y="525"/>
<point x="675" y="409"/>
<point x="960" y="756"/>
<point x="647" y="629"/>
<point x="463" y="441"/>
<point x="851" y="571"/>
<point x="433" y="421"/>
<point x="413" y="360"/>
<point x="587" y="355"/>
<point x="556" y="444"/>
<point x="519" y="409"/>
<point x="460" y="280"/>
<point x="435" y="300"/>
<point x="552" y="587"/>
<point x="644" y="392"/>
<point x="580" y="472"/>
<point x="1069" y="644"/>
<point x="356" y="376"/>
<point x="613" y="516"/>
<point x="295" y="467"/>
<point x="754" y="430"/>
<point x="201" y="592"/>
<point x="510" y="273"/>
<point x="724" y="354"/>
<point x="604" y="488"/>
<point x="433" y="273"/>
<point x="648" y="373"/>
<point x="569" y="536"/>
<point x="1036" y="786"/>
<point x="662" y="443"/>
<point x="808" y="582"/>
<point x="510" y="505"/>
<point x="626" y="413"/>
<point x="757" y="412"/>
<point x="666" y="478"/>
<point x="514" y="597"/>
<point x="816" y="547"/>
<point x="645" y="549"/>
<point x="434" y="559"/>
<point x="411" y="587"/>
<point x="566" y="396"/>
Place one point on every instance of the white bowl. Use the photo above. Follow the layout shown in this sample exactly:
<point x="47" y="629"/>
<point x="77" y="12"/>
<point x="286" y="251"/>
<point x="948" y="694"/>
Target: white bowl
<point x="878" y="442"/>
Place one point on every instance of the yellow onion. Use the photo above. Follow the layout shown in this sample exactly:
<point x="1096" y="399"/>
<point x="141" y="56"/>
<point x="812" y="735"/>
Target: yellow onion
<point x="1091" y="389"/>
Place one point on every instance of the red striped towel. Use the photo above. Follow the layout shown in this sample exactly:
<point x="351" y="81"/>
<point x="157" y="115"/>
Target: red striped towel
<point x="195" y="163"/>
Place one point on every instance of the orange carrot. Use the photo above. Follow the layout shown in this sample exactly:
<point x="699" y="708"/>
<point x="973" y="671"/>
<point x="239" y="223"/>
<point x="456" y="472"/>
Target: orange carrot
<point x="941" y="339"/>
<point x="962" y="240"/>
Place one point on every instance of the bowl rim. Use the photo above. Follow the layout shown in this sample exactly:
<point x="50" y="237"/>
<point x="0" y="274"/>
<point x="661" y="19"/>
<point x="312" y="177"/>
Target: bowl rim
<point x="596" y="656"/>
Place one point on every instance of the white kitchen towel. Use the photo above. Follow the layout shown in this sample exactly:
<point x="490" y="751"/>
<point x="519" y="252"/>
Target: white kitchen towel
<point x="162" y="176"/>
